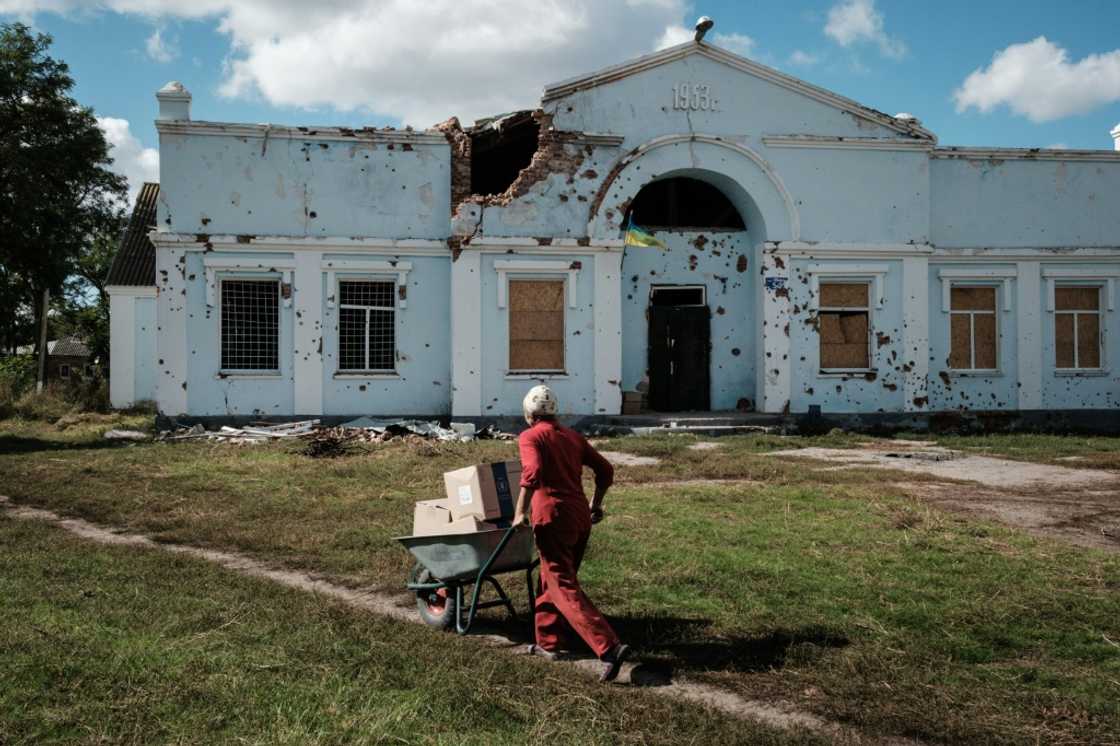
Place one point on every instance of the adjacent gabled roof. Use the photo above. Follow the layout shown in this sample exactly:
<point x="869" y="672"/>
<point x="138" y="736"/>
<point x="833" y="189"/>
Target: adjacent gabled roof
<point x="68" y="347"/>
<point x="626" y="69"/>
<point x="135" y="261"/>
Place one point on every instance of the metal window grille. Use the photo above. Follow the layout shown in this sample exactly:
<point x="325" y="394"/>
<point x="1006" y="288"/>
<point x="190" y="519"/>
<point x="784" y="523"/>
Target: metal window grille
<point x="367" y="325"/>
<point x="250" y="325"/>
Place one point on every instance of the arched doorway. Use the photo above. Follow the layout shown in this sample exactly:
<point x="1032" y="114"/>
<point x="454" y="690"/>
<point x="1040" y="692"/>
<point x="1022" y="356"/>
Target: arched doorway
<point x="689" y="301"/>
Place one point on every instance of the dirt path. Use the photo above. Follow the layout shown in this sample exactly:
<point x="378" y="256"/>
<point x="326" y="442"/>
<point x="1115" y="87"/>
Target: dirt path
<point x="1081" y="506"/>
<point x="776" y="714"/>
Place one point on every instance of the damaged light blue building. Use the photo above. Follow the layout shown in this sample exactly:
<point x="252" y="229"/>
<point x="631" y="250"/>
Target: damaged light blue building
<point x="816" y="253"/>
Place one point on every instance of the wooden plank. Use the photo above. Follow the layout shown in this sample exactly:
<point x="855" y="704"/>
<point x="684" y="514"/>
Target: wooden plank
<point x="535" y="325"/>
<point x="537" y="355"/>
<point x="960" y="342"/>
<point x="844" y="295"/>
<point x="973" y="298"/>
<point x="1063" y="340"/>
<point x="1088" y="340"/>
<point x="1074" y="298"/>
<point x="536" y="295"/>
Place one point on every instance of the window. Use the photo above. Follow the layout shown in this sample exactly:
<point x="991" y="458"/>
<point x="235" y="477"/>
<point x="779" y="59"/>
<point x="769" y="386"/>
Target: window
<point x="973" y="338"/>
<point x="250" y="325"/>
<point x="64" y="371"/>
<point x="1077" y="327"/>
<point x="536" y="326"/>
<point x="682" y="203"/>
<point x="845" y="326"/>
<point x="677" y="295"/>
<point x="367" y="325"/>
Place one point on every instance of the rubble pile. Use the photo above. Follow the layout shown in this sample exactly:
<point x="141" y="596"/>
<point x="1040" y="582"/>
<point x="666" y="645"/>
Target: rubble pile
<point x="333" y="441"/>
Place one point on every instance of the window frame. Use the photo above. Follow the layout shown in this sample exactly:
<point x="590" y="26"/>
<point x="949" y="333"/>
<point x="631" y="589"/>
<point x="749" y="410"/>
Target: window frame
<point x="529" y="373"/>
<point x="340" y="278"/>
<point x="1102" y="300"/>
<point x="999" y="288"/>
<point x="689" y="286"/>
<point x="868" y="308"/>
<point x="64" y="371"/>
<point x="220" y="279"/>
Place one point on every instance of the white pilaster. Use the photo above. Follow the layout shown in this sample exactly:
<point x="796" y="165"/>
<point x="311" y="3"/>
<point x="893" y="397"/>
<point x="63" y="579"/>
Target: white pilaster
<point x="772" y="369"/>
<point x="171" y="330"/>
<point x="915" y="332"/>
<point x="608" y="333"/>
<point x="307" y="366"/>
<point x="1029" y="343"/>
<point x="466" y="335"/>
<point x="122" y="350"/>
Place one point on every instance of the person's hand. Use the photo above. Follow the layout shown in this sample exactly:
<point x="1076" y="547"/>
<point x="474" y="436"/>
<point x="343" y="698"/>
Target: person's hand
<point x="596" y="514"/>
<point x="520" y="520"/>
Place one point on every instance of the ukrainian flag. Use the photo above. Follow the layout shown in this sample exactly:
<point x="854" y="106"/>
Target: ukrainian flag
<point x="635" y="236"/>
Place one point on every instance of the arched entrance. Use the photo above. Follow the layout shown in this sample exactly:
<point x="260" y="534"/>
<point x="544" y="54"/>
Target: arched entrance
<point x="688" y="302"/>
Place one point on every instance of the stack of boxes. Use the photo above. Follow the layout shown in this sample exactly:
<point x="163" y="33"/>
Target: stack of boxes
<point x="479" y="498"/>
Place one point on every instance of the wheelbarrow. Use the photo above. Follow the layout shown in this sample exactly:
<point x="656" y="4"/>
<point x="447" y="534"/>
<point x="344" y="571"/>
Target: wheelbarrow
<point x="447" y="564"/>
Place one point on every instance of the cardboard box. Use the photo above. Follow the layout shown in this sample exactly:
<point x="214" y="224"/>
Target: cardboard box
<point x="430" y="518"/>
<point x="486" y="491"/>
<point x="469" y="524"/>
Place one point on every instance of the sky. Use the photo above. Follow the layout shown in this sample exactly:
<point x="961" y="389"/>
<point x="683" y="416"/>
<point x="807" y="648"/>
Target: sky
<point x="976" y="72"/>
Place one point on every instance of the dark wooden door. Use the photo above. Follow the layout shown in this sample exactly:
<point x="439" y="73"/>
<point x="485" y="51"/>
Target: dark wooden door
<point x="679" y="350"/>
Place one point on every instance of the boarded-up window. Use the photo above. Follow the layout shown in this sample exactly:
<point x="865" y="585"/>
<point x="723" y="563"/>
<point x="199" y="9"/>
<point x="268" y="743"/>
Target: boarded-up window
<point x="973" y="338"/>
<point x="845" y="326"/>
<point x="1077" y="326"/>
<point x="536" y="325"/>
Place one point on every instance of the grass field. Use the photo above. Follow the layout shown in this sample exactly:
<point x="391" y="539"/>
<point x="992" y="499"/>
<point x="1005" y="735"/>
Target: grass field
<point x="832" y="590"/>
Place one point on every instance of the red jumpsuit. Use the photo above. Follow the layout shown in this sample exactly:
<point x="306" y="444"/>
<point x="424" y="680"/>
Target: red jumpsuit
<point x="552" y="461"/>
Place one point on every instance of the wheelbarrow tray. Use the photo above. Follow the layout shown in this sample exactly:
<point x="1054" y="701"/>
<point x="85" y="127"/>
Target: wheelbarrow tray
<point x="455" y="557"/>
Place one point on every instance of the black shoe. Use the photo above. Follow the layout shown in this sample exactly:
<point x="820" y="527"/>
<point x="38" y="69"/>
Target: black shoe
<point x="543" y="653"/>
<point x="612" y="662"/>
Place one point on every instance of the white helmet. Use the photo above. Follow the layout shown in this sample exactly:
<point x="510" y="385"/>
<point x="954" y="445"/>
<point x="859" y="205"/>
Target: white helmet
<point x="540" y="401"/>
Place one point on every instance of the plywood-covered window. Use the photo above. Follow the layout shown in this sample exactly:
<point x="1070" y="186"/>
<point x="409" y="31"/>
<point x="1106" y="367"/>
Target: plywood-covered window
<point x="1077" y="327"/>
<point x="536" y="326"/>
<point x="973" y="337"/>
<point x="845" y="326"/>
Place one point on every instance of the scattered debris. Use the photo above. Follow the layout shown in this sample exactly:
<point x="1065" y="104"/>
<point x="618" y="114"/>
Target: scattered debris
<point x="133" y="435"/>
<point x="328" y="443"/>
<point x="628" y="459"/>
<point x="362" y="429"/>
<point x="705" y="445"/>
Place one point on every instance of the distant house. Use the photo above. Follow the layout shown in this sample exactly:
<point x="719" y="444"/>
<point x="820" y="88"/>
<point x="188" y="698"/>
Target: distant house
<point x="68" y="359"/>
<point x="131" y="286"/>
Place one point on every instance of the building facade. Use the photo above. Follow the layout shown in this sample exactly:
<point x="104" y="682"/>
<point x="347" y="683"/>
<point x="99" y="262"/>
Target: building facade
<point x="813" y="252"/>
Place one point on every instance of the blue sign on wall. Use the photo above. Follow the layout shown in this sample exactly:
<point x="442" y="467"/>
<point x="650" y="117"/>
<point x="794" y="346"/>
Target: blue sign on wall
<point x="775" y="283"/>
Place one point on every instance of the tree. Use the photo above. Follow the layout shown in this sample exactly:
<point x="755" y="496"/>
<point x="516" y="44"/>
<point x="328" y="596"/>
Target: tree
<point x="56" y="190"/>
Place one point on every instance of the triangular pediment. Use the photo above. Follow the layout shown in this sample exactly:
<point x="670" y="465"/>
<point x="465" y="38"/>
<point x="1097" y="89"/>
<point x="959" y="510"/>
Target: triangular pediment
<point x="614" y="73"/>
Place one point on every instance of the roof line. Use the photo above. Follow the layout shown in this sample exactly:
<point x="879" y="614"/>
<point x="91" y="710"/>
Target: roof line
<point x="680" y="51"/>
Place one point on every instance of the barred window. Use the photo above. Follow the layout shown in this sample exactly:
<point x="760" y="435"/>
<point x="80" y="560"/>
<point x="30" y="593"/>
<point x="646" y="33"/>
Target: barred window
<point x="845" y="326"/>
<point x="250" y="325"/>
<point x="1077" y="327"/>
<point x="367" y="325"/>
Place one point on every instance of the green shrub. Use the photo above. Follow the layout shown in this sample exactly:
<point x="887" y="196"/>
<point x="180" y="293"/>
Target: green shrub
<point x="17" y="376"/>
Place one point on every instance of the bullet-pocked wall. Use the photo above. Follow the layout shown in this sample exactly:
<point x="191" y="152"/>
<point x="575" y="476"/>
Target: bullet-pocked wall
<point x="503" y="387"/>
<point x="421" y="381"/>
<point x="289" y="181"/>
<point x="722" y="263"/>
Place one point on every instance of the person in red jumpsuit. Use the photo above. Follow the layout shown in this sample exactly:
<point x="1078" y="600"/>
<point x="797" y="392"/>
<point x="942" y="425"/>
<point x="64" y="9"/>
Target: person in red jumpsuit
<point x="552" y="496"/>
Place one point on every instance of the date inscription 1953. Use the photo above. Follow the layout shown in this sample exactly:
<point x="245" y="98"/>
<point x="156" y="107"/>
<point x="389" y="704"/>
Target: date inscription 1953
<point x="693" y="97"/>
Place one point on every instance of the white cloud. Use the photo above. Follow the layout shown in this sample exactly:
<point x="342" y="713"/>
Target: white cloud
<point x="675" y="34"/>
<point x="130" y="158"/>
<point x="740" y="44"/>
<point x="419" y="62"/>
<point x="1036" y="79"/>
<point x="160" y="49"/>
<point x="853" y="22"/>
<point x="803" y="59"/>
<point x="1057" y="146"/>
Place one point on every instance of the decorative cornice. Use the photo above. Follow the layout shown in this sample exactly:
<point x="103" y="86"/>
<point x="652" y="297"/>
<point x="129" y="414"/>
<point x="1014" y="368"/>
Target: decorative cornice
<point x="618" y="72"/>
<point x="845" y="143"/>
<point x="310" y="134"/>
<point x="827" y="250"/>
<point x="386" y="246"/>
<point x="1025" y="154"/>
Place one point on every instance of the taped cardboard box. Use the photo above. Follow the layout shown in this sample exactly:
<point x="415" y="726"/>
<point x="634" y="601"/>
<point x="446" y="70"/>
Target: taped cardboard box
<point x="486" y="491"/>
<point x="430" y="518"/>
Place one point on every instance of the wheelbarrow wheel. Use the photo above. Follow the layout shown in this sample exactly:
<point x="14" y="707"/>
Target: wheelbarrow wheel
<point x="437" y="608"/>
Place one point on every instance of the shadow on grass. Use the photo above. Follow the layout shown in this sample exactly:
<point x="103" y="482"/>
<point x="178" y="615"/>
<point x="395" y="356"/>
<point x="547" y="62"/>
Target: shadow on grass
<point x="689" y="644"/>
<point x="18" y="444"/>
